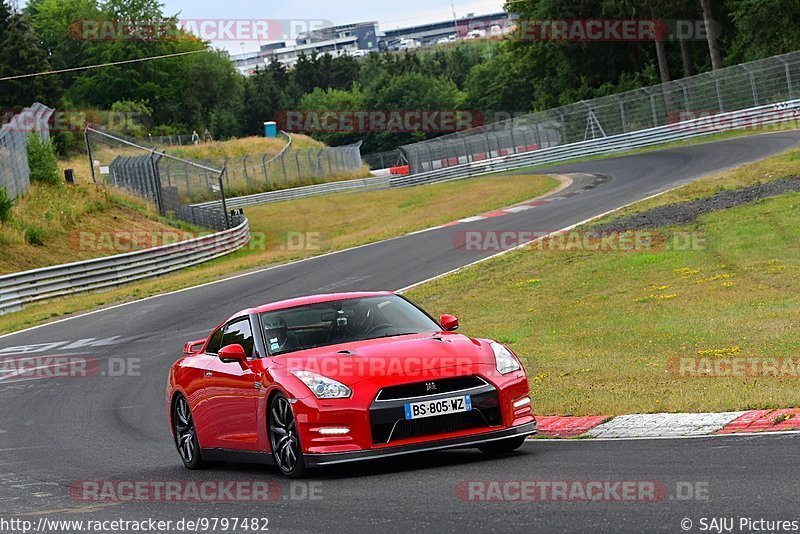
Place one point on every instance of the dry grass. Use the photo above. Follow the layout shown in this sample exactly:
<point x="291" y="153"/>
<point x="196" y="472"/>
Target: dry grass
<point x="48" y="221"/>
<point x="600" y="332"/>
<point x="370" y="216"/>
<point x="238" y="148"/>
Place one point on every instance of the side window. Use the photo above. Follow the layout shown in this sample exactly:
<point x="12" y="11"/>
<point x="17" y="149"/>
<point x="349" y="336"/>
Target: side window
<point x="215" y="343"/>
<point x="239" y="333"/>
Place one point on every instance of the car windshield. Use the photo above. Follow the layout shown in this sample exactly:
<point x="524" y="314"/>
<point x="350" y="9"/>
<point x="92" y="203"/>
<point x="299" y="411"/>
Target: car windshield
<point x="342" y="321"/>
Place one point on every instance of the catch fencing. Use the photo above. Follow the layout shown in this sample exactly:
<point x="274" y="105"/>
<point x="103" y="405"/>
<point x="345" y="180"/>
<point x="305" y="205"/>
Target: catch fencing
<point x="14" y="169"/>
<point x="385" y="160"/>
<point x="170" y="181"/>
<point x="141" y="171"/>
<point x="749" y="85"/>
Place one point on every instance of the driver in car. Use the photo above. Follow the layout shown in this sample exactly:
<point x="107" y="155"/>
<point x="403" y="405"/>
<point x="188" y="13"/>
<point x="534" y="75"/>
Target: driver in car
<point x="279" y="339"/>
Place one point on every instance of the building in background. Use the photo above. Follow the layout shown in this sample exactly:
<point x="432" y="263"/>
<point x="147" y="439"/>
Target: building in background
<point x="361" y="38"/>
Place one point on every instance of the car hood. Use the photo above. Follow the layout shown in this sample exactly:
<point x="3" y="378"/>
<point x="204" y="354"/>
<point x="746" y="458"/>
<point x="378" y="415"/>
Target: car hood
<point x="416" y="355"/>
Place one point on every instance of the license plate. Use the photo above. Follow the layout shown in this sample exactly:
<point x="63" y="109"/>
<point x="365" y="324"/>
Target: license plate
<point x="432" y="408"/>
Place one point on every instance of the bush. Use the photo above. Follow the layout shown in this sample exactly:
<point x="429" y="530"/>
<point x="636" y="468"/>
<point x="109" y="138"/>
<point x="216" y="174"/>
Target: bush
<point x="42" y="160"/>
<point x="6" y="203"/>
<point x="34" y="235"/>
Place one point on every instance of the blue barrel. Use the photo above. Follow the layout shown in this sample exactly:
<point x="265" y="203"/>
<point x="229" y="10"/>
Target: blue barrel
<point x="271" y="129"/>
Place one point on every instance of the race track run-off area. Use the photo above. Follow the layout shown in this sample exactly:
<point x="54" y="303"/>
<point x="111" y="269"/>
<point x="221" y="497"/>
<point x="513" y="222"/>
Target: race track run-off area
<point x="62" y="438"/>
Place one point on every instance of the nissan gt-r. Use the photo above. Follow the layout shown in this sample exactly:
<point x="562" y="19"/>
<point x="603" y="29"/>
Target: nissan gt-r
<point x="328" y="379"/>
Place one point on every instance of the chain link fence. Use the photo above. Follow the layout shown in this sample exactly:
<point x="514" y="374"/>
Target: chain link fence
<point x="178" y="185"/>
<point x="766" y="81"/>
<point x="14" y="169"/>
<point x="140" y="170"/>
<point x="289" y="168"/>
<point x="385" y="160"/>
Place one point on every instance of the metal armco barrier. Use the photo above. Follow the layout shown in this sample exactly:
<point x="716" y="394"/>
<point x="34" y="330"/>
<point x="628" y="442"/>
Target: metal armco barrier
<point x="346" y="186"/>
<point x="749" y="118"/>
<point x="772" y="114"/>
<point x="20" y="289"/>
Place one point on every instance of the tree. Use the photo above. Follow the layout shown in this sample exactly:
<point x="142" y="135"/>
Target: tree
<point x="20" y="54"/>
<point x="711" y="34"/>
<point x="411" y="91"/>
<point x="764" y="28"/>
<point x="266" y="93"/>
<point x="504" y="83"/>
<point x="58" y="24"/>
<point x="321" y="100"/>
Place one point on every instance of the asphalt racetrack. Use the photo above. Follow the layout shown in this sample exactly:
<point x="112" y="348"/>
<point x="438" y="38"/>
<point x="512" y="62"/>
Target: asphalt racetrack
<point x="57" y="432"/>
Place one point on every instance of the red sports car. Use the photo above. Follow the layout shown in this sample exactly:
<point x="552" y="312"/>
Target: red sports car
<point x="338" y="378"/>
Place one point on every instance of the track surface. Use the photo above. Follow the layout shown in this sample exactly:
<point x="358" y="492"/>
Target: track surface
<point x="56" y="432"/>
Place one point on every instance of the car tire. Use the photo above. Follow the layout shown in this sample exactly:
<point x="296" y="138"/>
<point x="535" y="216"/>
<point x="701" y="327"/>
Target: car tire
<point x="284" y="438"/>
<point x="186" y="435"/>
<point x="502" y="446"/>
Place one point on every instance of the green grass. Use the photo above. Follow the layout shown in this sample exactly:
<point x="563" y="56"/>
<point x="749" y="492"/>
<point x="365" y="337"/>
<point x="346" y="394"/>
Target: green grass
<point x="371" y="216"/>
<point x="598" y="330"/>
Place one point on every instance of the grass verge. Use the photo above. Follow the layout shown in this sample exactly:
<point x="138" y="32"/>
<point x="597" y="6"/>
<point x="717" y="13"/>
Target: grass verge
<point x="298" y="229"/>
<point x="46" y="225"/>
<point x="605" y="332"/>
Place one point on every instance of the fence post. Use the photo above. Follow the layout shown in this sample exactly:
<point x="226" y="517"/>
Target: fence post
<point x="89" y="151"/>
<point x="719" y="93"/>
<point x="685" y="92"/>
<point x="297" y="161"/>
<point x="157" y="181"/>
<point x="283" y="166"/>
<point x="264" y="166"/>
<point x="222" y="197"/>
<point x="652" y="97"/>
<point x="622" y="117"/>
<point x="246" y="177"/>
<point x="752" y="83"/>
<point x="788" y="76"/>
<point x="310" y="164"/>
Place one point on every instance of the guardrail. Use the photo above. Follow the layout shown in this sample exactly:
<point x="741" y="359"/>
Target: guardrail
<point x="20" y="289"/>
<point x="770" y="114"/>
<point x="360" y="184"/>
<point x="493" y="162"/>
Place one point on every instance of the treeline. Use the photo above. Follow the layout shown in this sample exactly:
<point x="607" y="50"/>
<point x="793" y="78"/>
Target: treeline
<point x="204" y="90"/>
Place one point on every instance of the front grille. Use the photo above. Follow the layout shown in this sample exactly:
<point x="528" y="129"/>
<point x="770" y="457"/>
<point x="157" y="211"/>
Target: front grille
<point x="420" y="389"/>
<point x="388" y="422"/>
<point x="438" y="425"/>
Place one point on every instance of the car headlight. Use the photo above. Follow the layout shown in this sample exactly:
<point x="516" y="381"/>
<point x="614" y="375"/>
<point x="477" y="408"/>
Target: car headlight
<point x="504" y="360"/>
<point x="323" y="387"/>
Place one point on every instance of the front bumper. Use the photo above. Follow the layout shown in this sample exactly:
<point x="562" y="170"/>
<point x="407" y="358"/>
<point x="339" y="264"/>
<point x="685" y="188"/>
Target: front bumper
<point x="474" y="440"/>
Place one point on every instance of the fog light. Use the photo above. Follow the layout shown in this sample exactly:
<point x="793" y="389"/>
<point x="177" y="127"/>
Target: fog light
<point x="522" y="402"/>
<point x="334" y="431"/>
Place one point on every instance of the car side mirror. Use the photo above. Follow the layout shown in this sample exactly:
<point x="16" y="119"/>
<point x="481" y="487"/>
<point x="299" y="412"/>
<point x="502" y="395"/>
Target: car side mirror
<point x="233" y="353"/>
<point x="449" y="323"/>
